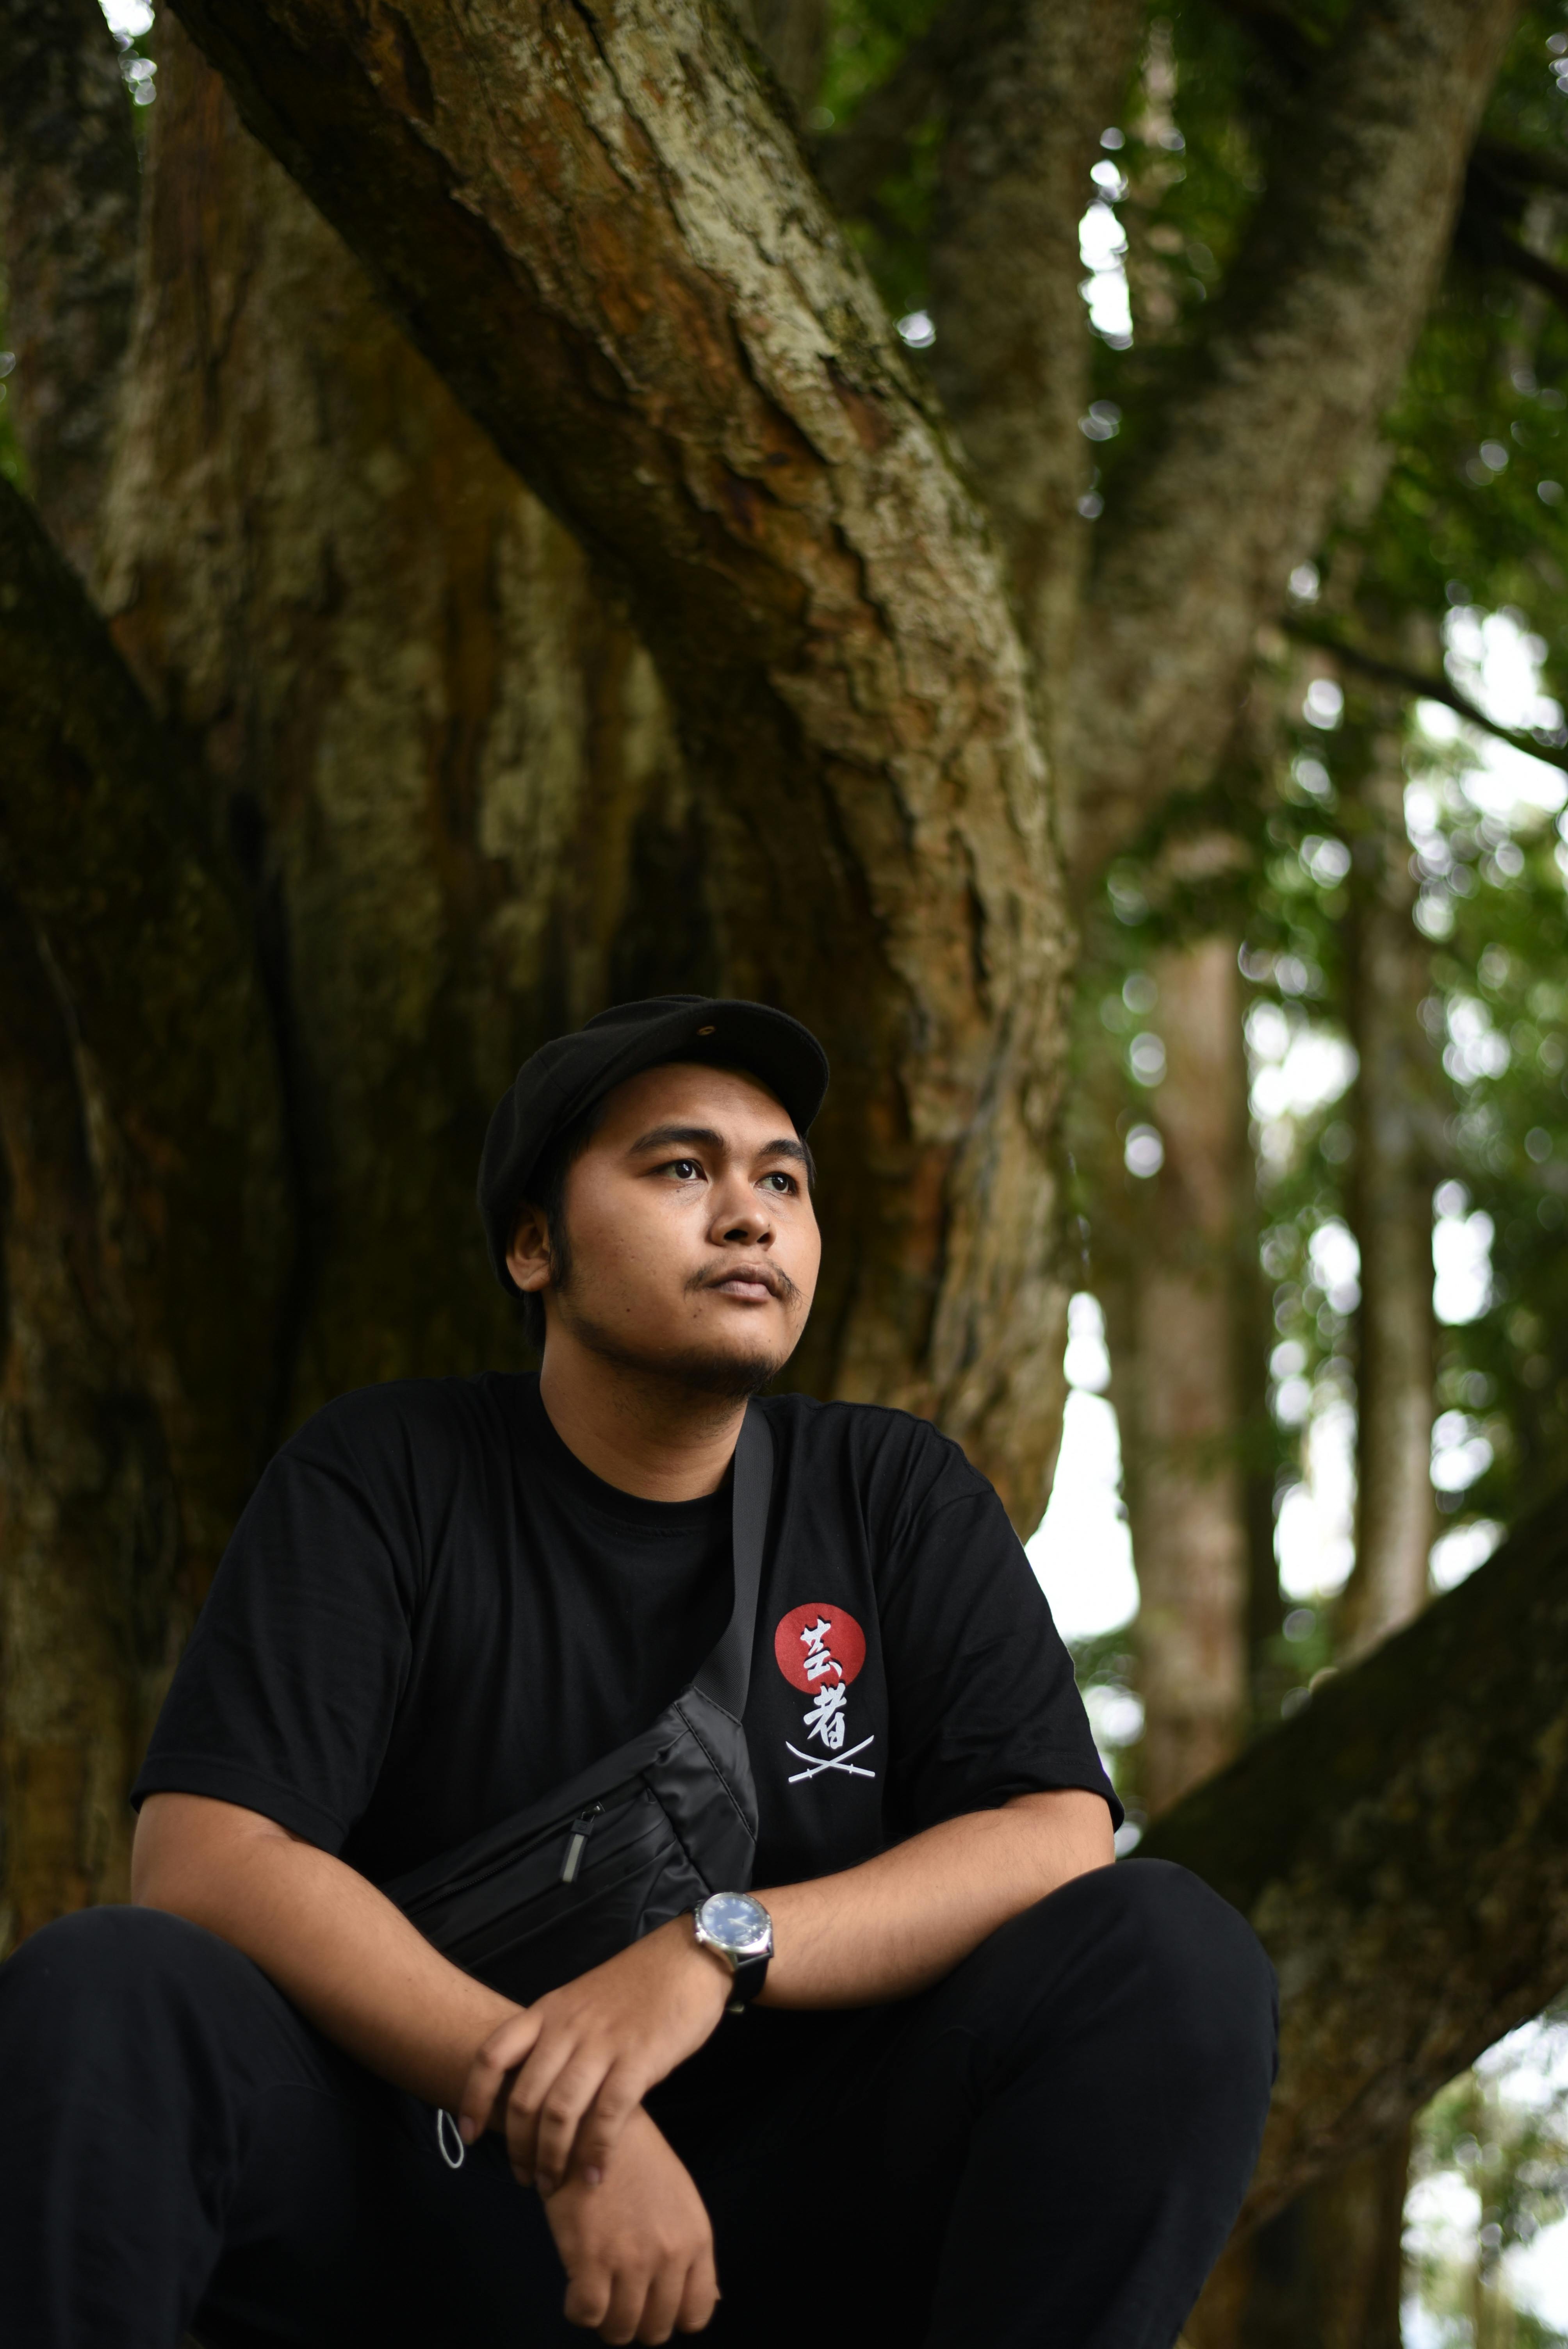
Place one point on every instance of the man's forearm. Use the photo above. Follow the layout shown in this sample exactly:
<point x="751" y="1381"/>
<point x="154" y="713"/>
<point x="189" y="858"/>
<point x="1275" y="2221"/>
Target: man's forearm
<point x="581" y="2059"/>
<point x="333" y="1944"/>
<point x="899" y="1923"/>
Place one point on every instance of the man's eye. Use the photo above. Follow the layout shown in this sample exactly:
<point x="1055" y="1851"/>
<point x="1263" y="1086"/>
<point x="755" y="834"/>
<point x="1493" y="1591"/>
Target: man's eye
<point x="686" y="1169"/>
<point x="786" y="1181"/>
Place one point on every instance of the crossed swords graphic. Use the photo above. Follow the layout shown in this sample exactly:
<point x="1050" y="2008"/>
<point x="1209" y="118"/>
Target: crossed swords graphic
<point x="830" y="1762"/>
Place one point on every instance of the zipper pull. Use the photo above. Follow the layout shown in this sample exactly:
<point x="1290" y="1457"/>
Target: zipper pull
<point x="581" y="1828"/>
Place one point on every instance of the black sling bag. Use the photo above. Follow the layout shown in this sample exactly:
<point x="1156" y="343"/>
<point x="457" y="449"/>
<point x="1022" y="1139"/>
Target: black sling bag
<point x="654" y="1828"/>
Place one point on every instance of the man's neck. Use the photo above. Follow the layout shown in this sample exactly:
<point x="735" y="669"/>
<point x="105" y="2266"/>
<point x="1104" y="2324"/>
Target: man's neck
<point x="644" y="1434"/>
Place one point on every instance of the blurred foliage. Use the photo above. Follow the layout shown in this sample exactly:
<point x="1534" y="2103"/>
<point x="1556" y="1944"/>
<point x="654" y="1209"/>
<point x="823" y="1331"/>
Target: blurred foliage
<point x="1488" y="2174"/>
<point x="1463" y="513"/>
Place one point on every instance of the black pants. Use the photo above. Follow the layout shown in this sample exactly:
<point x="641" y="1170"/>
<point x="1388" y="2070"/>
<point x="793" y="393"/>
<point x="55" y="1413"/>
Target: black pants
<point x="1049" y="2147"/>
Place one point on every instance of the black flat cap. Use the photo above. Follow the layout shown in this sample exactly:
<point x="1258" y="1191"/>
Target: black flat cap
<point x="568" y="1075"/>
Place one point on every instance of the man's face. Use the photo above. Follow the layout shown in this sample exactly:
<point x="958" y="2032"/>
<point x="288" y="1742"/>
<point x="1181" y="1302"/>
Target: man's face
<point x="693" y="1245"/>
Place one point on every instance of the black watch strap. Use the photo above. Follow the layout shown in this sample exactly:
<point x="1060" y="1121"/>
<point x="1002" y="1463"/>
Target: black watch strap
<point x="749" y="1976"/>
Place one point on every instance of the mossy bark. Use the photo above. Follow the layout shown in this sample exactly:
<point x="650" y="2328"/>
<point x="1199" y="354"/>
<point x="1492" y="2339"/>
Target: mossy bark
<point x="1401" y="1846"/>
<point x="601" y="233"/>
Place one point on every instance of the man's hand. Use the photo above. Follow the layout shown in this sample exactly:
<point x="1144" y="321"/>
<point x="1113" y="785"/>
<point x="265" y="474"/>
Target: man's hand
<point x="564" y="2078"/>
<point x="637" y="2248"/>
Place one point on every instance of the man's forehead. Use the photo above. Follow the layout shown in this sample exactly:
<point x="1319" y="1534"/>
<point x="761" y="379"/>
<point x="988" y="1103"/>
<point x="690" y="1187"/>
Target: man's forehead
<point x="694" y="1091"/>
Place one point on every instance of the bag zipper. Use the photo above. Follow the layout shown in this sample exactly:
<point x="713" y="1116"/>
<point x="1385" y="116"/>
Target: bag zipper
<point x="577" y="1843"/>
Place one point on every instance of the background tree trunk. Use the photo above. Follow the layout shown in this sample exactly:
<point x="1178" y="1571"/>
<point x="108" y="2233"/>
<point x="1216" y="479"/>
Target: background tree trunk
<point x="1177" y="1390"/>
<point x="1391" y="1201"/>
<point x="1035" y="83"/>
<point x="1320" y="311"/>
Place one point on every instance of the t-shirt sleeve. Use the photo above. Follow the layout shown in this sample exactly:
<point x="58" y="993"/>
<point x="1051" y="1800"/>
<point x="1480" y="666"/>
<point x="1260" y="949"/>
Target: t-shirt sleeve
<point x="285" y="1698"/>
<point x="985" y="1703"/>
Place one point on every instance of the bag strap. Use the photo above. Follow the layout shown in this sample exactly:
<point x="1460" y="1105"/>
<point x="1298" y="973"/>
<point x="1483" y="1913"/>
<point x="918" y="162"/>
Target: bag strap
<point x="727" y="1675"/>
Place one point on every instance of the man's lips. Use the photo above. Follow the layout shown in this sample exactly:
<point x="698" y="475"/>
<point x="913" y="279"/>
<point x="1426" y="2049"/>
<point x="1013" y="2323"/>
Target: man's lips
<point x="753" y="1283"/>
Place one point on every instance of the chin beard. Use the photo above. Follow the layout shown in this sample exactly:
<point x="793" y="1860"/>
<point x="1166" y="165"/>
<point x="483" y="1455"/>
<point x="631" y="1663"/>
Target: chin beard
<point x="695" y="1369"/>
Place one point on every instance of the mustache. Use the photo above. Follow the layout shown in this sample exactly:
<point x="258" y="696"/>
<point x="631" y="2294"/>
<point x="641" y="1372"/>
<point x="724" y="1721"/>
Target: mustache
<point x="771" y="1277"/>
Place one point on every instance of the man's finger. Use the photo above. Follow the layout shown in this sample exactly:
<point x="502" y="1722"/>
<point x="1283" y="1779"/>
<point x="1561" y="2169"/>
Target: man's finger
<point x="700" y="2297"/>
<point x="627" y="2293"/>
<point x="587" y="2295"/>
<point x="531" y="2092"/>
<point x="620" y="2093"/>
<point x="501" y="2053"/>
<point x="663" y="2303"/>
<point x="571" y="2093"/>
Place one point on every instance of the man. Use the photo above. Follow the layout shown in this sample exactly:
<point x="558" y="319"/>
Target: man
<point x="992" y="2089"/>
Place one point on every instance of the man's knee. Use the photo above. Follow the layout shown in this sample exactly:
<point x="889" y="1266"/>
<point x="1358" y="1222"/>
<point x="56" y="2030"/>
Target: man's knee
<point x="1194" y="1970"/>
<point x="115" y="1967"/>
<point x="1147" y="1955"/>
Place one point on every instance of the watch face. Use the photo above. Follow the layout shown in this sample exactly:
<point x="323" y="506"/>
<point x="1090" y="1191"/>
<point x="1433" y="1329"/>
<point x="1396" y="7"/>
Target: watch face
<point x="736" y="1922"/>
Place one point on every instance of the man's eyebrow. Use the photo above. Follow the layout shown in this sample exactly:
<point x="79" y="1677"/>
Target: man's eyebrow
<point x="659" y="1137"/>
<point x="662" y="1137"/>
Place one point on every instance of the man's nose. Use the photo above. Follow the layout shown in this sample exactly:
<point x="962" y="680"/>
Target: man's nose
<point x="741" y="1214"/>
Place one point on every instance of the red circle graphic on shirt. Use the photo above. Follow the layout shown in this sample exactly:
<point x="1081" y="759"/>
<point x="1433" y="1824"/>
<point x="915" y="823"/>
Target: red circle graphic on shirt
<point x="818" y="1645"/>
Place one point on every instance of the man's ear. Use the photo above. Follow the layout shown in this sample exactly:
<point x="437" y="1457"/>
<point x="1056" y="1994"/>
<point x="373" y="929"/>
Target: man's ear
<point x="528" y="1257"/>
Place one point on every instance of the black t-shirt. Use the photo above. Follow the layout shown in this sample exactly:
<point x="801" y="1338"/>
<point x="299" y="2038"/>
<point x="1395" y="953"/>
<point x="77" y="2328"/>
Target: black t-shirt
<point x="431" y="1613"/>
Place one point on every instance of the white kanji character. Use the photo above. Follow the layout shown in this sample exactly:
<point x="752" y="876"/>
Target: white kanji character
<point x="819" y="1658"/>
<point x="825" y="1718"/>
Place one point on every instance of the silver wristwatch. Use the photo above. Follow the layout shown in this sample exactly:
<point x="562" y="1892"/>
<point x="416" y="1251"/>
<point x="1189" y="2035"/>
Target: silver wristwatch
<point x="737" y="1927"/>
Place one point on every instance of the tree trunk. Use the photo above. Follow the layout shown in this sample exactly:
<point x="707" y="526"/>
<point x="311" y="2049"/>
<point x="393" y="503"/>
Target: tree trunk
<point x="69" y="215"/>
<point x="1302" y="353"/>
<point x="1327" y="2268"/>
<point x="1391" y="1203"/>
<point x="445" y="760"/>
<point x="602" y="236"/>
<point x="1036" y="84"/>
<point x="149" y="1234"/>
<point x="1326" y="2273"/>
<point x="1176" y="1387"/>
<point x="1401" y="1846"/>
<point x="92" y="1605"/>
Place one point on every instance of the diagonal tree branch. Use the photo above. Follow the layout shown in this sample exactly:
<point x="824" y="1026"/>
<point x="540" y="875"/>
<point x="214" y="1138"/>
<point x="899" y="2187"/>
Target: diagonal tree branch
<point x="1304" y="352"/>
<point x="598" y="231"/>
<point x="68" y="199"/>
<point x="1425" y="687"/>
<point x="1402" y="1849"/>
<point x="1521" y="167"/>
<point x="1486" y="241"/>
<point x="105" y="845"/>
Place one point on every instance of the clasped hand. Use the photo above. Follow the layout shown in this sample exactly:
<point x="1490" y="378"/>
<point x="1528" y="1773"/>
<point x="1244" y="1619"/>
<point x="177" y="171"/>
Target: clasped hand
<point x="563" y="2077"/>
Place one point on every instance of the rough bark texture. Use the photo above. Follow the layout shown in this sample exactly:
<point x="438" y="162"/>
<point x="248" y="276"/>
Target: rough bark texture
<point x="1309" y="342"/>
<point x="447" y="762"/>
<point x="1391" y="1208"/>
<point x="1401" y="1846"/>
<point x="148" y="1228"/>
<point x="1176" y="1386"/>
<point x="1025" y="103"/>
<point x="68" y="204"/>
<point x="1326" y="2274"/>
<point x="601" y="235"/>
<point x="90" y="1608"/>
<point x="108" y="852"/>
